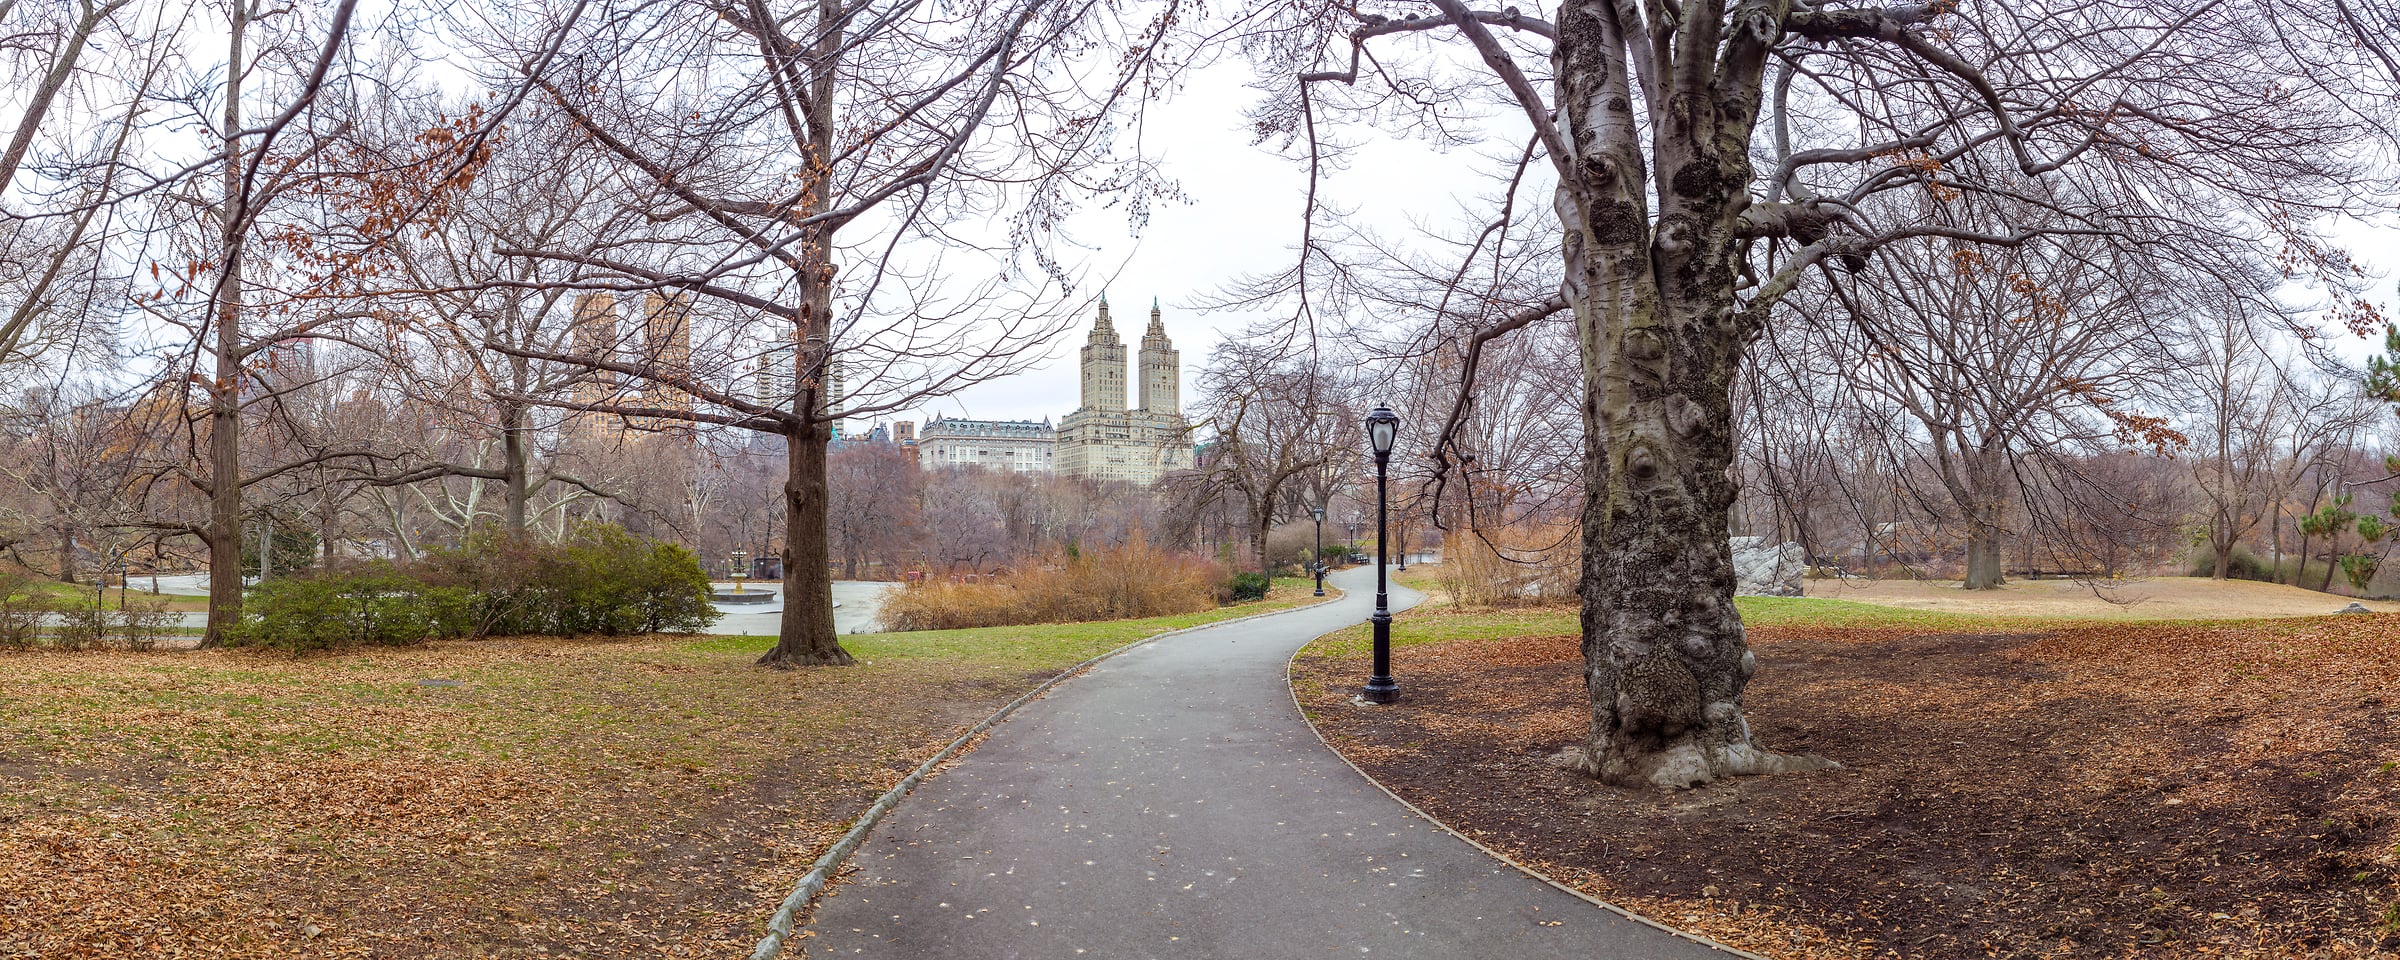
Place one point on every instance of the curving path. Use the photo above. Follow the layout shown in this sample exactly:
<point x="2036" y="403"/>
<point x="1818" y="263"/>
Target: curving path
<point x="1173" y="803"/>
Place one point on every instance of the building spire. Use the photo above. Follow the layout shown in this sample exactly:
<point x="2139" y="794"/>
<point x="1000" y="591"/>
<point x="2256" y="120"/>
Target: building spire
<point x="1104" y="330"/>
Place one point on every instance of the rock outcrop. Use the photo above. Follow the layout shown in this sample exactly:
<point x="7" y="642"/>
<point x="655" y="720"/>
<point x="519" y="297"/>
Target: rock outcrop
<point x="1761" y="570"/>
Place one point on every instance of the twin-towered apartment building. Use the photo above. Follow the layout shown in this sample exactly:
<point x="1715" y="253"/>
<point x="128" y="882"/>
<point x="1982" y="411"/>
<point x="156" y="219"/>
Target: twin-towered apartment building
<point x="1103" y="439"/>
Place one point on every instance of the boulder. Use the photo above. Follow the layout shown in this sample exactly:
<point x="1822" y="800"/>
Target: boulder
<point x="1761" y="570"/>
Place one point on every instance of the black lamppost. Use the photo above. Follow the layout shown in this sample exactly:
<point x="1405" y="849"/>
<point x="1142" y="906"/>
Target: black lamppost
<point x="1317" y="561"/>
<point x="1383" y="429"/>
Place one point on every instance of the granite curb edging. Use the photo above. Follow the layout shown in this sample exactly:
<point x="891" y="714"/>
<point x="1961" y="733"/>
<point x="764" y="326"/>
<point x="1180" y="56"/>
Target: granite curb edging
<point x="781" y="926"/>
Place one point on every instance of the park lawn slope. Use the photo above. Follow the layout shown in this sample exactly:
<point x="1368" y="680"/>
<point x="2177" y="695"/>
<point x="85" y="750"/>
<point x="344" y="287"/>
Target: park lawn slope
<point x="2011" y="787"/>
<point x="508" y="798"/>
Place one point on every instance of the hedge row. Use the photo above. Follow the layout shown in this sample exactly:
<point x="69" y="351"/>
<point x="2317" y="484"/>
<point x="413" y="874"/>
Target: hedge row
<point x="598" y="580"/>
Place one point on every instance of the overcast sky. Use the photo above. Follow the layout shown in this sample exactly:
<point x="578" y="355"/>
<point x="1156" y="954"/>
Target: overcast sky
<point x="1244" y="218"/>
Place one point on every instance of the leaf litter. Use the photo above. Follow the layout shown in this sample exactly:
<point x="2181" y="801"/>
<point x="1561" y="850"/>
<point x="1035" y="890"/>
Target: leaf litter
<point x="2105" y="791"/>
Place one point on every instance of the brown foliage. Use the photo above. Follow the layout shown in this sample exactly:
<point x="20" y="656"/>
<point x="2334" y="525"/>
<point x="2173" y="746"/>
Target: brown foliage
<point x="1527" y="562"/>
<point x="1110" y="583"/>
<point x="2128" y="790"/>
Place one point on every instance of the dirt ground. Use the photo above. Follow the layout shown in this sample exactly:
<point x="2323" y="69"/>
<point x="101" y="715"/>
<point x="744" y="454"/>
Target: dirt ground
<point x="2093" y="792"/>
<point x="2154" y="598"/>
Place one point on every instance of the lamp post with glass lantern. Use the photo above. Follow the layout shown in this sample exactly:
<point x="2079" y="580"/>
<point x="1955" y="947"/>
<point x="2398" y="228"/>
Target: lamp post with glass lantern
<point x="1317" y="562"/>
<point x="1383" y="430"/>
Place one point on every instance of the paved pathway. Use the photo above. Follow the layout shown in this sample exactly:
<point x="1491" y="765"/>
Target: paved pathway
<point x="1173" y="804"/>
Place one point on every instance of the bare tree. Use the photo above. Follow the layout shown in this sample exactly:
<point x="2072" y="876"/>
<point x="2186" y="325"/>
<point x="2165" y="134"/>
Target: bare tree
<point x="2243" y="399"/>
<point x="873" y="515"/>
<point x="52" y="245"/>
<point x="538" y="185"/>
<point x="1998" y="355"/>
<point x="291" y="54"/>
<point x="1274" y="429"/>
<point x="794" y="140"/>
<point x="1707" y="159"/>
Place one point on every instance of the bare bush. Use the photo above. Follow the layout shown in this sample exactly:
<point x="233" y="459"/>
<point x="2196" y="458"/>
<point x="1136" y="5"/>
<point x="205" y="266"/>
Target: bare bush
<point x="1069" y="586"/>
<point x="1529" y="562"/>
<point x="21" y="610"/>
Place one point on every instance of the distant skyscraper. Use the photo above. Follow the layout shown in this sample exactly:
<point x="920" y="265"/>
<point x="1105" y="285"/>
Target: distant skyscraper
<point x="1162" y="373"/>
<point x="667" y="339"/>
<point x="596" y="338"/>
<point x="837" y="393"/>
<point x="777" y="376"/>
<point x="289" y="363"/>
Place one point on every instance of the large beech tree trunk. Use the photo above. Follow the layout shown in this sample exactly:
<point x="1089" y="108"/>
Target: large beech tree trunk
<point x="1664" y="656"/>
<point x="1982" y="495"/>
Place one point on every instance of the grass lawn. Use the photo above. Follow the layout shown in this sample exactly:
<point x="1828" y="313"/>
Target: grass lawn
<point x="57" y="591"/>
<point x="506" y="798"/>
<point x="2011" y="787"/>
<point x="1438" y="622"/>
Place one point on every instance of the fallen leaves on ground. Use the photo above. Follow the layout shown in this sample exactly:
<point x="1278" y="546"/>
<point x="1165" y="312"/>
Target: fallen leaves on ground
<point x="2119" y="791"/>
<point x="493" y="799"/>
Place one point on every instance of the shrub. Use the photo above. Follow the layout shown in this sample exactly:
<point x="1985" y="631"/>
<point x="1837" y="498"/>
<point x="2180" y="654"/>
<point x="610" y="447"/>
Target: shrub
<point x="21" y="610"/>
<point x="2241" y="565"/>
<point x="1289" y="545"/>
<point x="82" y="623"/>
<point x="620" y="583"/>
<point x="1247" y="585"/>
<point x="1071" y="586"/>
<point x="600" y="579"/>
<point x="376" y="605"/>
<point x="497" y="582"/>
<point x="144" y="622"/>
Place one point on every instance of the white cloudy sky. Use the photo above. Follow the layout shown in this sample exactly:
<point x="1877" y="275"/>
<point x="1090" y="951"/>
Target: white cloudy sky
<point x="1244" y="217"/>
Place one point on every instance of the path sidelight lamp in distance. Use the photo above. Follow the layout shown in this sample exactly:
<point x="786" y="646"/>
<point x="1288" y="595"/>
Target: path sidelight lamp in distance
<point x="1383" y="430"/>
<point x="1317" y="561"/>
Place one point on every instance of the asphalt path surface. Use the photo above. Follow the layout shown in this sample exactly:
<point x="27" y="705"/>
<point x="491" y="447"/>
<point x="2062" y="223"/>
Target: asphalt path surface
<point x="1172" y="803"/>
